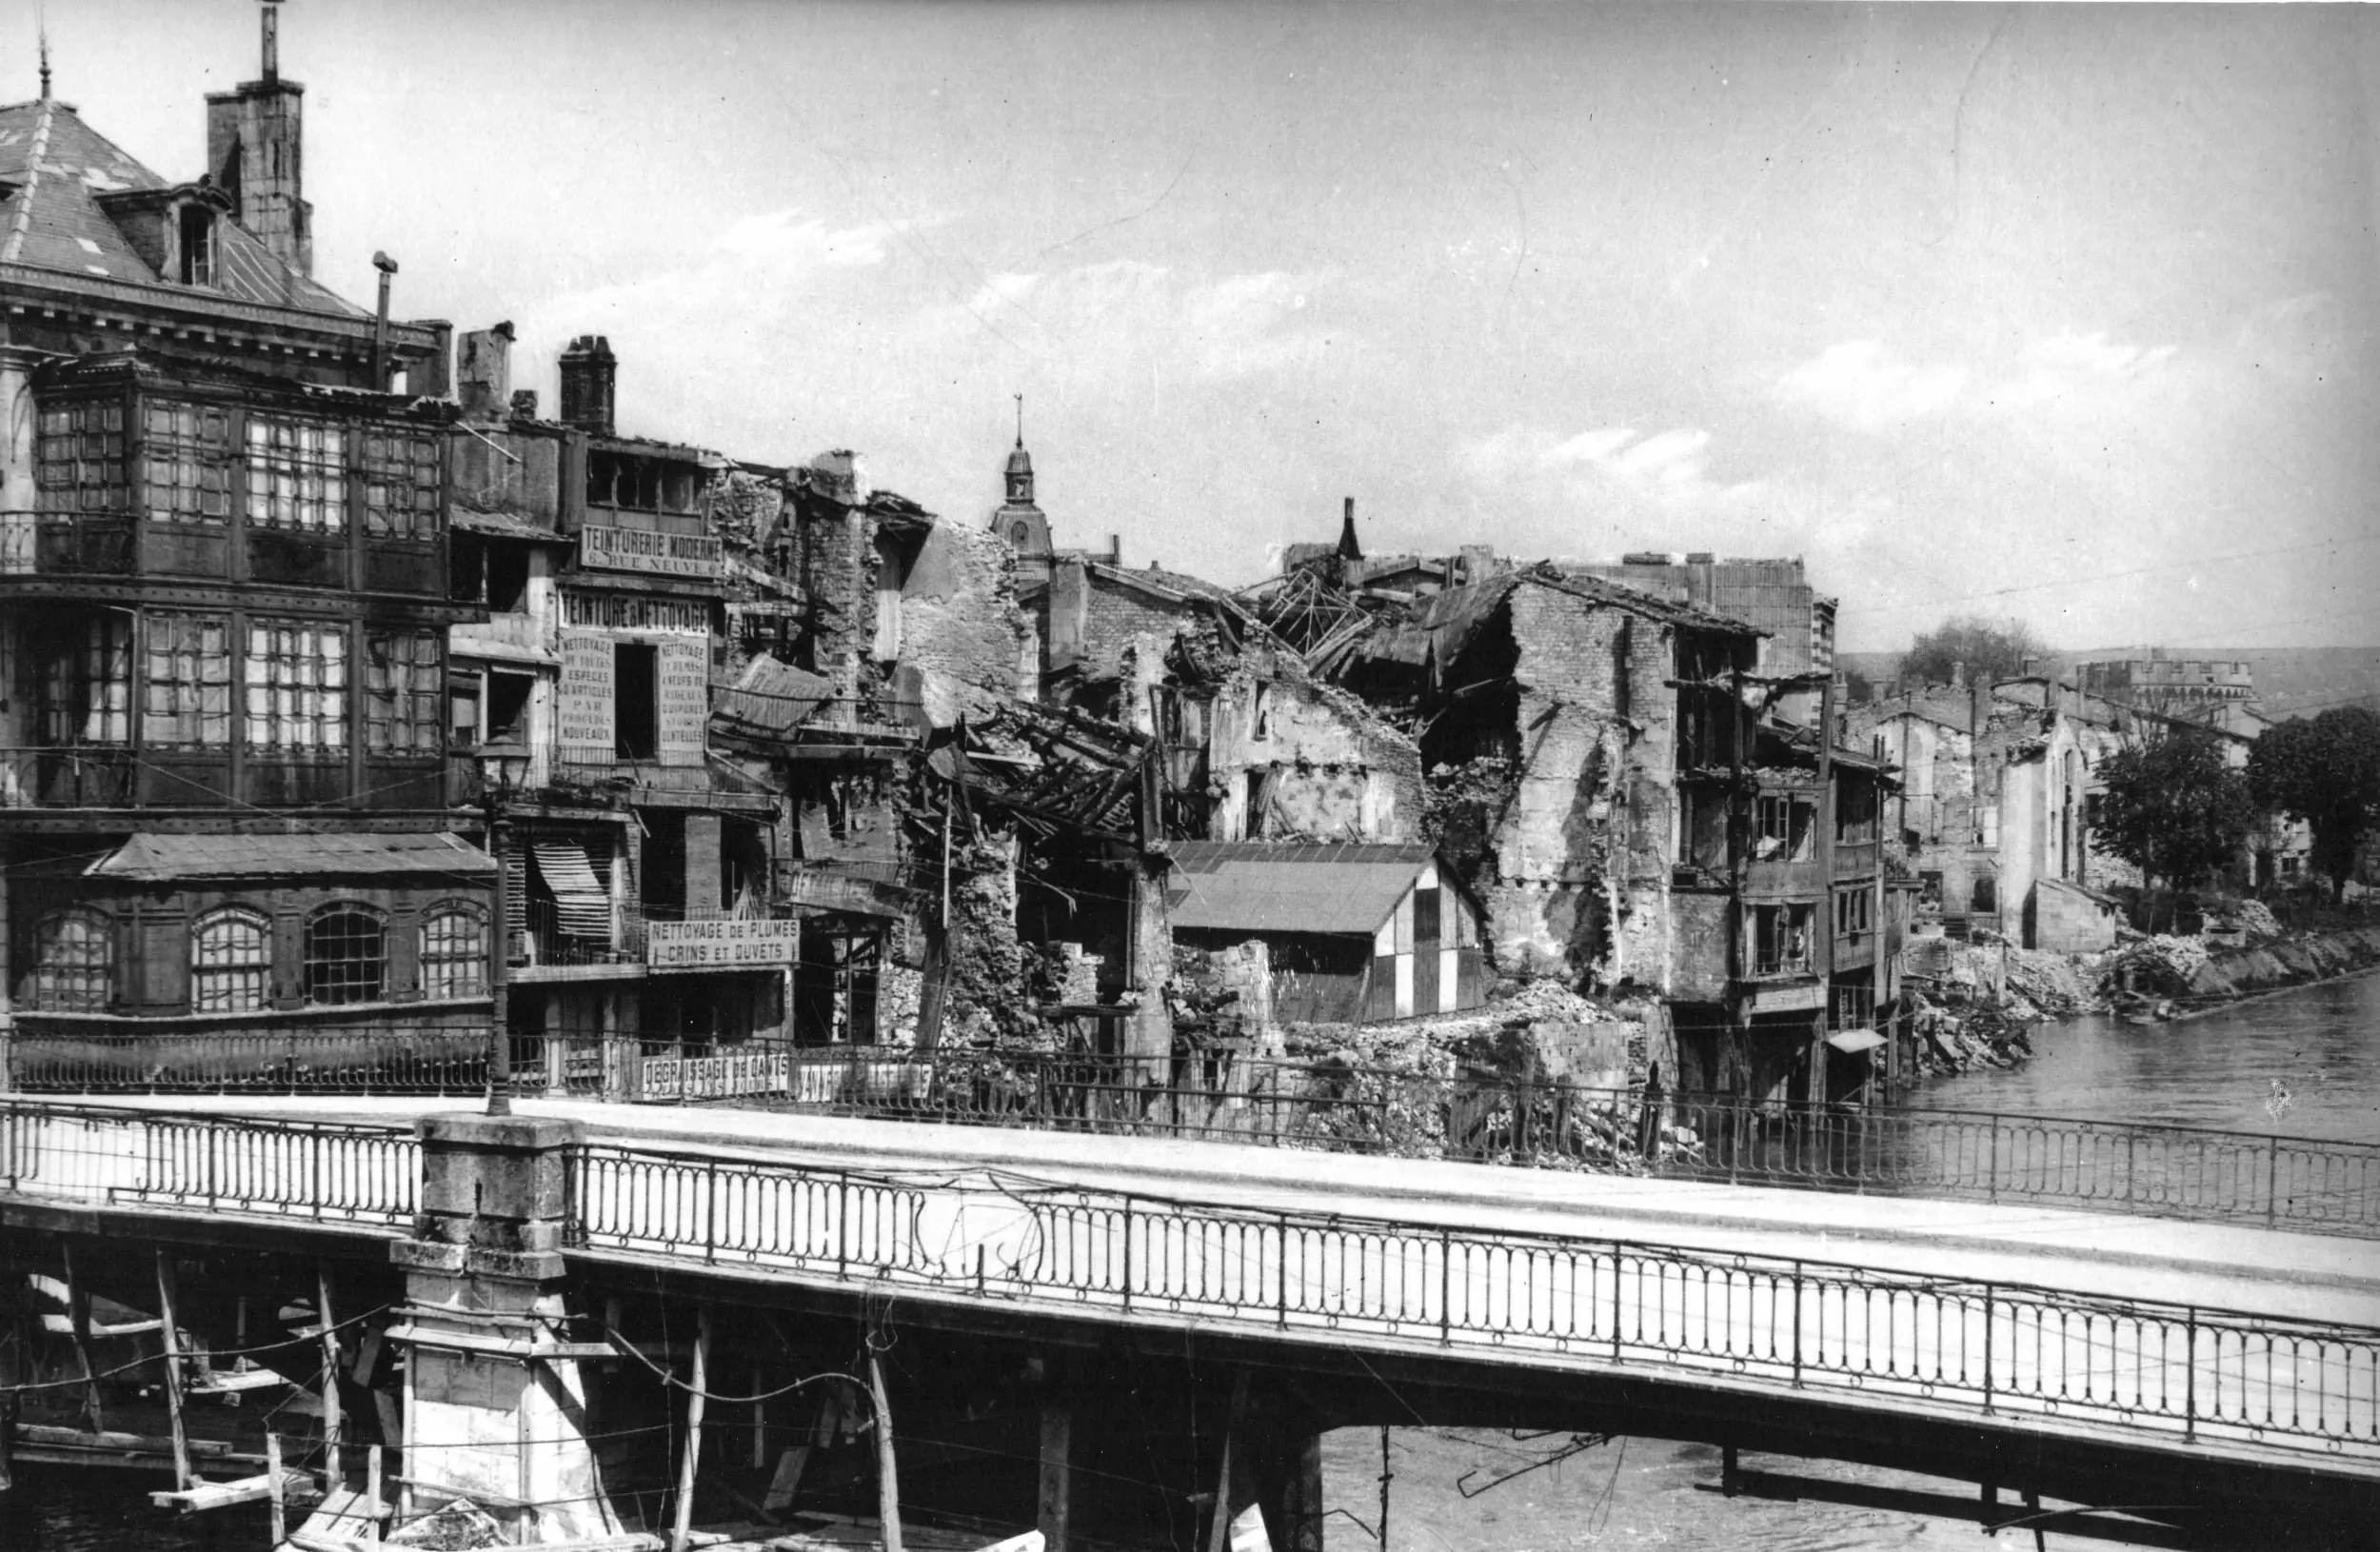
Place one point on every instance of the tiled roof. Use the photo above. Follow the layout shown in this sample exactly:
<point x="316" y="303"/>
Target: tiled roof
<point x="60" y="166"/>
<point x="1266" y="886"/>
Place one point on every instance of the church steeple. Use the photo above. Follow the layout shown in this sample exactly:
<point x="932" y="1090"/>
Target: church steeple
<point x="1020" y="464"/>
<point x="1019" y="520"/>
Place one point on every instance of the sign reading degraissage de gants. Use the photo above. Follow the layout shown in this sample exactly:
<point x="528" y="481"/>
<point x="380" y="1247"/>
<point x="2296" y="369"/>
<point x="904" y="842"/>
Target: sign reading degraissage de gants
<point x="723" y="941"/>
<point x="639" y="549"/>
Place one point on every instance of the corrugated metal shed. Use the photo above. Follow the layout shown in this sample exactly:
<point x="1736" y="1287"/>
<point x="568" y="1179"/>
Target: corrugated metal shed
<point x="1264" y="887"/>
<point x="156" y="858"/>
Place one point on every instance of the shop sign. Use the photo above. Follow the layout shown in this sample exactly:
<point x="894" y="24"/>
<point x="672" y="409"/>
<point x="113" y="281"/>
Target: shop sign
<point x="610" y="548"/>
<point x="583" y="705"/>
<point x="722" y="943"/>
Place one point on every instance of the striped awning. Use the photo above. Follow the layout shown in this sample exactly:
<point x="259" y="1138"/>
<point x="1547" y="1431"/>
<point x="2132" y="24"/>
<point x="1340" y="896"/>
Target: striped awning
<point x="582" y="902"/>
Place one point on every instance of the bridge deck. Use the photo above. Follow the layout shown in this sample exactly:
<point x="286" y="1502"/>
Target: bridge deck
<point x="2302" y="1276"/>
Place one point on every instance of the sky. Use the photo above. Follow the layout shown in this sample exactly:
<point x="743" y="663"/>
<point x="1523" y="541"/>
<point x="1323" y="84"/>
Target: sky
<point x="2065" y="314"/>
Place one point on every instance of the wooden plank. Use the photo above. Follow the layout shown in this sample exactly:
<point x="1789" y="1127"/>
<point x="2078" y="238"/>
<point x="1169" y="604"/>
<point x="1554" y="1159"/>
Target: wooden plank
<point x="36" y="1433"/>
<point x="224" y="1495"/>
<point x="333" y="1470"/>
<point x="888" y="1468"/>
<point x="682" y="1521"/>
<point x="276" y="1489"/>
<point x="183" y="1475"/>
<point x="78" y="1321"/>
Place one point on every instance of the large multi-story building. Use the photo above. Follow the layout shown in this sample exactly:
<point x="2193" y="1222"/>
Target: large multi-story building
<point x="224" y="598"/>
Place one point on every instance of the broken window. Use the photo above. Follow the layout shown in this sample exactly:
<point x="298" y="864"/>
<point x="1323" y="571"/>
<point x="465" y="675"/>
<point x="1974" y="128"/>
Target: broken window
<point x="346" y="956"/>
<point x="186" y="700"/>
<point x="1853" y="913"/>
<point x="648" y="484"/>
<point x="297" y="684"/>
<point x="635" y="671"/>
<point x="401" y="484"/>
<point x="1781" y="830"/>
<point x="230" y="961"/>
<point x="509" y="709"/>
<point x="1984" y="899"/>
<point x="401" y="676"/>
<point x="508" y="578"/>
<point x="86" y="682"/>
<point x="74" y="957"/>
<point x="197" y="234"/>
<point x="1855" y="811"/>
<point x="297" y="473"/>
<point x="185" y="462"/>
<point x="1780" y="939"/>
<point x="81" y="458"/>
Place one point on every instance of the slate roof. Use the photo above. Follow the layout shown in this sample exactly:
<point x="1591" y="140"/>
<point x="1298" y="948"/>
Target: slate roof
<point x="770" y="700"/>
<point x="59" y="166"/>
<point x="1273" y="886"/>
<point x="148" y="858"/>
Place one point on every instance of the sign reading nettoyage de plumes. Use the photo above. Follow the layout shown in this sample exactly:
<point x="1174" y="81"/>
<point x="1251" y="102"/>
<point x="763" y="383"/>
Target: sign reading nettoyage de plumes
<point x="639" y="549"/>
<point x="724" y="941"/>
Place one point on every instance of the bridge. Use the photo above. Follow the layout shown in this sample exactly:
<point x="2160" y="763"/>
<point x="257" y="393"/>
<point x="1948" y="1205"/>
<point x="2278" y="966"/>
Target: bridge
<point x="1224" y="1305"/>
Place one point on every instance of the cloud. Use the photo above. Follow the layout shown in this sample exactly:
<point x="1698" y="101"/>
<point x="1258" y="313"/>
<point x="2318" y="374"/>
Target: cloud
<point x="1667" y="466"/>
<point x="2068" y="367"/>
<point x="1229" y="327"/>
<point x="1866" y="385"/>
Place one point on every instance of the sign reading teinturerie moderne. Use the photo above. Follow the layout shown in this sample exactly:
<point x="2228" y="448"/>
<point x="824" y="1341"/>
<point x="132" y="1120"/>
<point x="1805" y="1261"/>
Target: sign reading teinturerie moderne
<point x="639" y="549"/>
<point x="724" y="941"/>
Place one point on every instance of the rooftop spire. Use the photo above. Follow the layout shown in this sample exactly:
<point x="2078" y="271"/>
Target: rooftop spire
<point x="45" y="53"/>
<point x="1018" y="397"/>
<point x="273" y="41"/>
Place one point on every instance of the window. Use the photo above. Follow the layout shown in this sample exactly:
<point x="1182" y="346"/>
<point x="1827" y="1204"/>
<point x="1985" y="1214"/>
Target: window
<point x="1853" y="911"/>
<point x="648" y="484"/>
<point x="1781" y="830"/>
<point x="403" y="676"/>
<point x="346" y="956"/>
<point x="636" y="734"/>
<point x="401" y="484"/>
<point x="86" y="682"/>
<point x="231" y="962"/>
<point x="297" y="683"/>
<point x="453" y="954"/>
<point x="197" y="232"/>
<point x="507" y="578"/>
<point x="188" y="699"/>
<point x="463" y="693"/>
<point x="509" y="709"/>
<point x="297" y="473"/>
<point x="185" y="462"/>
<point x="74" y="959"/>
<point x="82" y="458"/>
<point x="1780" y="939"/>
<point x="1984" y="899"/>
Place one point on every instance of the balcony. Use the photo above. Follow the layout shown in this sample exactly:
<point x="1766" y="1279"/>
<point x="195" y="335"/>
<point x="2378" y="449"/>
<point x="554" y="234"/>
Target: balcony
<point x="119" y="776"/>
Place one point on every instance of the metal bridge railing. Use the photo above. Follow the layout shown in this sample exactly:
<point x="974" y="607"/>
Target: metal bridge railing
<point x="319" y="1171"/>
<point x="2299" y="1183"/>
<point x="1550" y="1299"/>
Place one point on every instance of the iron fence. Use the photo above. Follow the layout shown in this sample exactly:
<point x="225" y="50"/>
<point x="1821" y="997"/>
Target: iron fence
<point x="2301" y="1183"/>
<point x="287" y="1168"/>
<point x="1549" y="1299"/>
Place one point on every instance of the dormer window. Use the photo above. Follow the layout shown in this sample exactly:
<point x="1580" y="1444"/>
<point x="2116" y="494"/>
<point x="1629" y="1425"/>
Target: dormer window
<point x="197" y="232"/>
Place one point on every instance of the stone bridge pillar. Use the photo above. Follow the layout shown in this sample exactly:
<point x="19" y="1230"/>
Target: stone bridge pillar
<point x="495" y="1406"/>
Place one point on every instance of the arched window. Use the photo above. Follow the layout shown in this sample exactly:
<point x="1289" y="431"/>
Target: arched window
<point x="454" y="953"/>
<point x="347" y="956"/>
<point x="231" y="962"/>
<point x="75" y="960"/>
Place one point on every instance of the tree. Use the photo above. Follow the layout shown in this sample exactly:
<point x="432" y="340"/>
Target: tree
<point x="2327" y="773"/>
<point x="1990" y="649"/>
<point x="2172" y="807"/>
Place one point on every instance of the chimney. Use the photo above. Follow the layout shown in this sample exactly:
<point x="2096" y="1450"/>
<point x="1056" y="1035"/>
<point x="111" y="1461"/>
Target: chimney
<point x="523" y="404"/>
<point x="255" y="141"/>
<point x="483" y="374"/>
<point x="1348" y="548"/>
<point x="589" y="369"/>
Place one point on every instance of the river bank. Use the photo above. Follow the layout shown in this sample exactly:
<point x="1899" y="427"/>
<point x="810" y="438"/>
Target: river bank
<point x="1974" y="1005"/>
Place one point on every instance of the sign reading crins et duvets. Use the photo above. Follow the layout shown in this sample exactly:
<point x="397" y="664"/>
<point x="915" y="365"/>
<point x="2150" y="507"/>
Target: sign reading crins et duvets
<point x="728" y="941"/>
<point x="639" y="549"/>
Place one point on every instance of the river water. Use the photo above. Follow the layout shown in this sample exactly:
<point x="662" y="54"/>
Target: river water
<point x="2305" y="1063"/>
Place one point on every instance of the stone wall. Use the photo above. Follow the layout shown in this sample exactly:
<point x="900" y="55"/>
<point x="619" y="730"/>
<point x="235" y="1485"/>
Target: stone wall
<point x="1325" y="767"/>
<point x="960" y="629"/>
